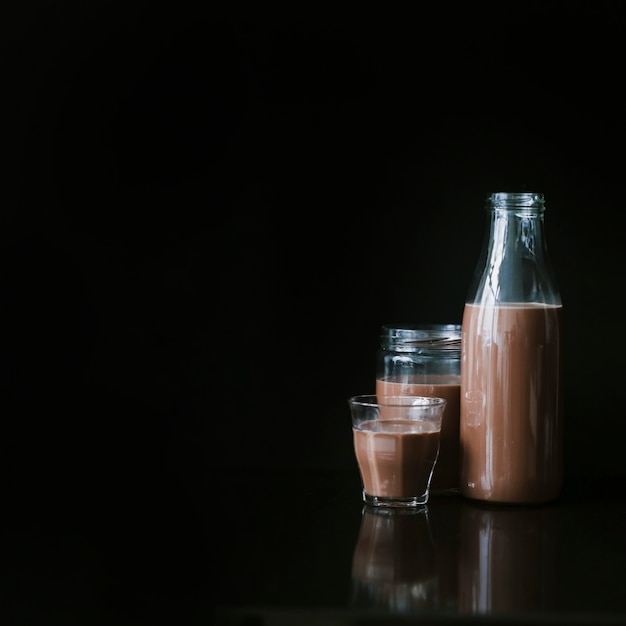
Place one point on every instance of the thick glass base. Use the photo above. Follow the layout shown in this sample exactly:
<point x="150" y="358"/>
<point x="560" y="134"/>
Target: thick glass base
<point x="399" y="503"/>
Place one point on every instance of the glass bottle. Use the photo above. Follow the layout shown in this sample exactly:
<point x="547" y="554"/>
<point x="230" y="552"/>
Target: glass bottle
<point x="511" y="430"/>
<point x="425" y="360"/>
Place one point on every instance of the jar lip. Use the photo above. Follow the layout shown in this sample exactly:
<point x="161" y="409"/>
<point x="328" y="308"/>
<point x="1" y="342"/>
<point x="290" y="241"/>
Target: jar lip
<point x="424" y="336"/>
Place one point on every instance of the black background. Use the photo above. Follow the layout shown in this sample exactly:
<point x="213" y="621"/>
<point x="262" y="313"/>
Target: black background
<point x="207" y="216"/>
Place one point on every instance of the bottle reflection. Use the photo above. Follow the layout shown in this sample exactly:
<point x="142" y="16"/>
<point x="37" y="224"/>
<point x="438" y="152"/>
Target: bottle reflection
<point x="393" y="565"/>
<point x="507" y="559"/>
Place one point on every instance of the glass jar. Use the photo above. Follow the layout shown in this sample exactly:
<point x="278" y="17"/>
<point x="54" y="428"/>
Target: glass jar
<point x="512" y="372"/>
<point x="425" y="360"/>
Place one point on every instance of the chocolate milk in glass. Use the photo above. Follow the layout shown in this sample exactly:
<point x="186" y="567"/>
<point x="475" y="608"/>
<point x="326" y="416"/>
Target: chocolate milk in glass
<point x="425" y="360"/>
<point x="396" y="457"/>
<point x="511" y="426"/>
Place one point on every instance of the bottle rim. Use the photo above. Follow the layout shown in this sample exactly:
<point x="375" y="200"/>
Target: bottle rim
<point x="516" y="200"/>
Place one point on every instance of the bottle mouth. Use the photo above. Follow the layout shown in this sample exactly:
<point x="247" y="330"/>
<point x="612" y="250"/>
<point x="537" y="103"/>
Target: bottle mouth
<point x="515" y="200"/>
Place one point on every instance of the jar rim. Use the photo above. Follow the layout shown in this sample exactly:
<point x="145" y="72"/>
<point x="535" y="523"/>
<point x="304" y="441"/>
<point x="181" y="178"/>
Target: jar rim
<point x="373" y="400"/>
<point x="421" y="336"/>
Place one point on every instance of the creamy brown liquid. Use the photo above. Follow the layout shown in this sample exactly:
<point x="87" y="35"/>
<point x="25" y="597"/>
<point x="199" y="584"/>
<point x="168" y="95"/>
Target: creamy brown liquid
<point x="446" y="473"/>
<point x="396" y="457"/>
<point x="511" y="429"/>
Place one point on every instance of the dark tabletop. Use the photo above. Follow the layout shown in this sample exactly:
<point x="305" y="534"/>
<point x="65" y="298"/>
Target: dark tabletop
<point x="301" y="548"/>
<point x="276" y="547"/>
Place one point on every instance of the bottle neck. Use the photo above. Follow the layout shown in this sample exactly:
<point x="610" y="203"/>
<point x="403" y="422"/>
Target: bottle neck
<point x="516" y="228"/>
<point x="514" y="266"/>
<point x="517" y="233"/>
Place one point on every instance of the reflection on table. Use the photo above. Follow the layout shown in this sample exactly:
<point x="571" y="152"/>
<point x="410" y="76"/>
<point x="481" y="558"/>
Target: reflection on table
<point x="393" y="566"/>
<point x="508" y="559"/>
<point x="457" y="557"/>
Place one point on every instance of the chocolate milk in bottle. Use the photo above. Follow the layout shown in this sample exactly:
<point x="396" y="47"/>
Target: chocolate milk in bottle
<point x="511" y="422"/>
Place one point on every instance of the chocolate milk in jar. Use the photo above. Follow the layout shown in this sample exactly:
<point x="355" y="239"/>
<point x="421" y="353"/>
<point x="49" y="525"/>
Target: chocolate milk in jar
<point x="425" y="360"/>
<point x="511" y="425"/>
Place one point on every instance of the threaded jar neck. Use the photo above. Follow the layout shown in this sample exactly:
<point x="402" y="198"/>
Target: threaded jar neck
<point x="422" y="338"/>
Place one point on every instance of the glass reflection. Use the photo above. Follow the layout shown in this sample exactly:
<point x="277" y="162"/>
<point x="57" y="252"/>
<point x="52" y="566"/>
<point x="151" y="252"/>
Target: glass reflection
<point x="508" y="559"/>
<point x="393" y="565"/>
